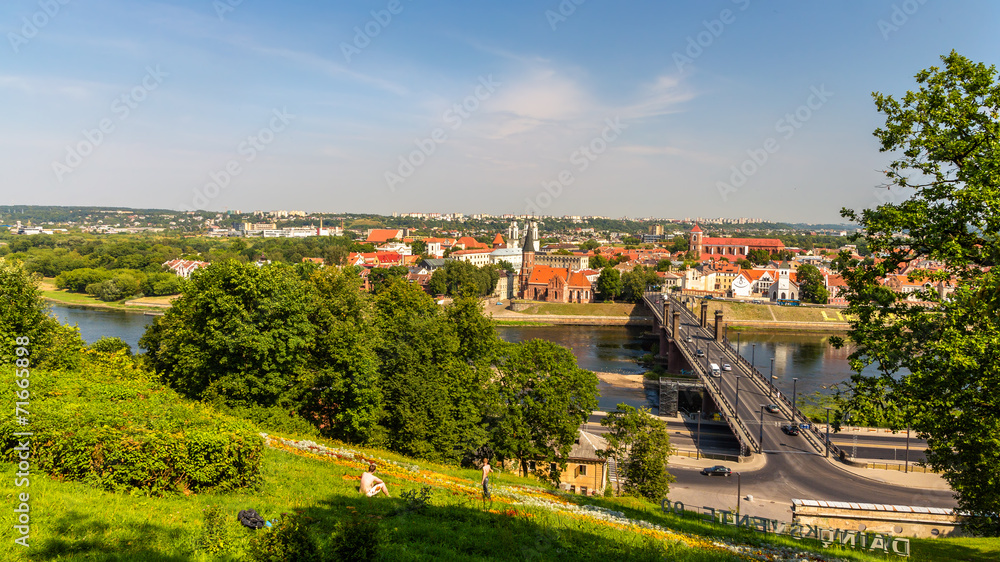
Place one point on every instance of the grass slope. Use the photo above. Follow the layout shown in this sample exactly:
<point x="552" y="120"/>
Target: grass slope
<point x="71" y="521"/>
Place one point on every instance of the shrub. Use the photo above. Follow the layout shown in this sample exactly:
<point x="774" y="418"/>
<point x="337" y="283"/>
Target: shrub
<point x="76" y="281"/>
<point x="288" y="540"/>
<point x="111" y="425"/>
<point x="117" y="288"/>
<point x="359" y="539"/>
<point x="216" y="536"/>
<point x="110" y="345"/>
<point x="416" y="501"/>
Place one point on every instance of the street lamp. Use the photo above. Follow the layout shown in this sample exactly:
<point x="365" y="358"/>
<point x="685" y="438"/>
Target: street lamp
<point x="700" y="413"/>
<point x="771" y="380"/>
<point x="794" y="380"/>
<point x="827" y="432"/>
<point x="737" y="399"/>
<point x="739" y="495"/>
<point x="760" y="440"/>
<point x="907" y="469"/>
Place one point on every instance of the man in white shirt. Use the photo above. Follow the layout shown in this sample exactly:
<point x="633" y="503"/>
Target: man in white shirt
<point x="371" y="485"/>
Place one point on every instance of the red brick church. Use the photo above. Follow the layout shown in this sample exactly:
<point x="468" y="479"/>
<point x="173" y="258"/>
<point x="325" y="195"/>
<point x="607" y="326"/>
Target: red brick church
<point x="550" y="284"/>
<point x="710" y="248"/>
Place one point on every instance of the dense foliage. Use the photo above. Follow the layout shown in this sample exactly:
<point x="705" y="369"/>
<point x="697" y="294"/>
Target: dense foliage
<point x="640" y="446"/>
<point x="110" y="424"/>
<point x="390" y="368"/>
<point x="946" y="184"/>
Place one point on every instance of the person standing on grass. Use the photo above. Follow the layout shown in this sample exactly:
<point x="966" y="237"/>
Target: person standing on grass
<point x="371" y="485"/>
<point x="487" y="470"/>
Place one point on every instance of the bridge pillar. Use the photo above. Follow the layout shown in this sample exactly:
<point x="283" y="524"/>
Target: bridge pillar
<point x="676" y="325"/>
<point x="704" y="314"/>
<point x="718" y="326"/>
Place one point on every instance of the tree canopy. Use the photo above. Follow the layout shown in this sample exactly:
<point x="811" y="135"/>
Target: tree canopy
<point x="390" y="369"/>
<point x="937" y="351"/>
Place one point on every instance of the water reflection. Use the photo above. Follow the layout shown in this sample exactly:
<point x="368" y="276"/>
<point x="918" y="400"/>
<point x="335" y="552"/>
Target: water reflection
<point x="97" y="323"/>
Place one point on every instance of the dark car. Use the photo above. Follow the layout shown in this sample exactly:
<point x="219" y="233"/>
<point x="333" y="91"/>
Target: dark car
<point x="699" y="353"/>
<point x="772" y="408"/>
<point x="790" y="429"/>
<point x="717" y="470"/>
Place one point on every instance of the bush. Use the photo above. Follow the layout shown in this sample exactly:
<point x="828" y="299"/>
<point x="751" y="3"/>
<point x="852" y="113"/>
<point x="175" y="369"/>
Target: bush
<point x="110" y="345"/>
<point x="109" y="424"/>
<point x="288" y="540"/>
<point x="77" y="280"/>
<point x="358" y="539"/>
<point x="117" y="288"/>
<point x="216" y="536"/>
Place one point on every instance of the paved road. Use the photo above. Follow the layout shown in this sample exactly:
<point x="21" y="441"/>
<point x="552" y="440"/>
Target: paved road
<point x="793" y="468"/>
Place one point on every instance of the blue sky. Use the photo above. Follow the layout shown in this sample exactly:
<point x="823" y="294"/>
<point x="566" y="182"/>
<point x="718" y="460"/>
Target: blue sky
<point x="681" y="109"/>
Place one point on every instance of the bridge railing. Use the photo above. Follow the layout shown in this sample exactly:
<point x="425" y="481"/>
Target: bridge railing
<point x="736" y="425"/>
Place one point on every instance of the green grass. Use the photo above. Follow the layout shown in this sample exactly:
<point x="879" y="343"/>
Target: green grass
<point x="61" y="296"/>
<point x="71" y="521"/>
<point x="587" y="309"/>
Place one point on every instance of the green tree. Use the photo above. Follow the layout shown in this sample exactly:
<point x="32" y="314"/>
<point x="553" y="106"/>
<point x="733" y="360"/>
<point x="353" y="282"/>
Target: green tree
<point x="589" y="245"/>
<point x="540" y="398"/>
<point x="664" y="265"/>
<point x="640" y="446"/>
<point x="609" y="284"/>
<point x="438" y="285"/>
<point x="598" y="262"/>
<point x="634" y="283"/>
<point x="239" y="334"/>
<point x="24" y="314"/>
<point x="340" y="391"/>
<point x="758" y="256"/>
<point x="938" y="369"/>
<point x="433" y="398"/>
<point x="811" y="286"/>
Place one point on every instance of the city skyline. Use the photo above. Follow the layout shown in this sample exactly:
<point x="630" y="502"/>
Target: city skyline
<point x="734" y="108"/>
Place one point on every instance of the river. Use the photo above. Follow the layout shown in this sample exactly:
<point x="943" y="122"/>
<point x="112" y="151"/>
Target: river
<point x="616" y="349"/>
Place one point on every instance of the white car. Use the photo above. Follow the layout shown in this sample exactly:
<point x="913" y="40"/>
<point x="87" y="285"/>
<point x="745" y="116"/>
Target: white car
<point x="727" y="367"/>
<point x="689" y="340"/>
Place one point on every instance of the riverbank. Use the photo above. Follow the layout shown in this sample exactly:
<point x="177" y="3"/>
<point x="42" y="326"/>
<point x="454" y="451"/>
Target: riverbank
<point x="734" y="315"/>
<point x="155" y="305"/>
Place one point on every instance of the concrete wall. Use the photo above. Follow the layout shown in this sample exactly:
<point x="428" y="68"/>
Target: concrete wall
<point x="903" y="521"/>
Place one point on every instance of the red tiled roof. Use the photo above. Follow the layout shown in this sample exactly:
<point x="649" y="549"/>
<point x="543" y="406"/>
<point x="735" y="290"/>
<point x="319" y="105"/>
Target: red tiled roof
<point x="696" y="228"/>
<point x="383" y="235"/>
<point x="470" y="243"/>
<point x="751" y="242"/>
<point x="498" y="239"/>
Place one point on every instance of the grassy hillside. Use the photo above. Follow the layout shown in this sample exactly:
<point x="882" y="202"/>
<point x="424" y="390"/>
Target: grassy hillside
<point x="525" y="521"/>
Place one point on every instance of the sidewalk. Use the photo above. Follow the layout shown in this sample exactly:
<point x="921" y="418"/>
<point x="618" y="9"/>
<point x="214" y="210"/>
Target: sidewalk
<point x="917" y="480"/>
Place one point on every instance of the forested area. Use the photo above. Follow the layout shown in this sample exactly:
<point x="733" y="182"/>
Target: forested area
<point x="286" y="345"/>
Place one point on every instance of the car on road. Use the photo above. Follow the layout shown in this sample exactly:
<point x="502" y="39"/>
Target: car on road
<point x="690" y="339"/>
<point x="715" y="370"/>
<point x="727" y="367"/>
<point x="755" y="301"/>
<point x="772" y="408"/>
<point x="717" y="470"/>
<point x="699" y="353"/>
<point x="790" y="429"/>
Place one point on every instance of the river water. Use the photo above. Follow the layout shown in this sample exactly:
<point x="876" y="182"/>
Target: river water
<point x="616" y="349"/>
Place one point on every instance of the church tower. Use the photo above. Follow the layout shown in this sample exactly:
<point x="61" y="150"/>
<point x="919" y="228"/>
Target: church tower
<point x="513" y="235"/>
<point x="696" y="240"/>
<point x="527" y="258"/>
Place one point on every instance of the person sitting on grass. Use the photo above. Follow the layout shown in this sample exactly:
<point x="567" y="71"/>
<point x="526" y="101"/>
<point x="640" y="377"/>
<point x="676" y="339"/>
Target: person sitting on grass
<point x="371" y="485"/>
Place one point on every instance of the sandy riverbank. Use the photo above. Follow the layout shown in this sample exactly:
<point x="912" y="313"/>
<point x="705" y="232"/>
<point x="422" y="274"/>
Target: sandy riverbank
<point x="619" y="380"/>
